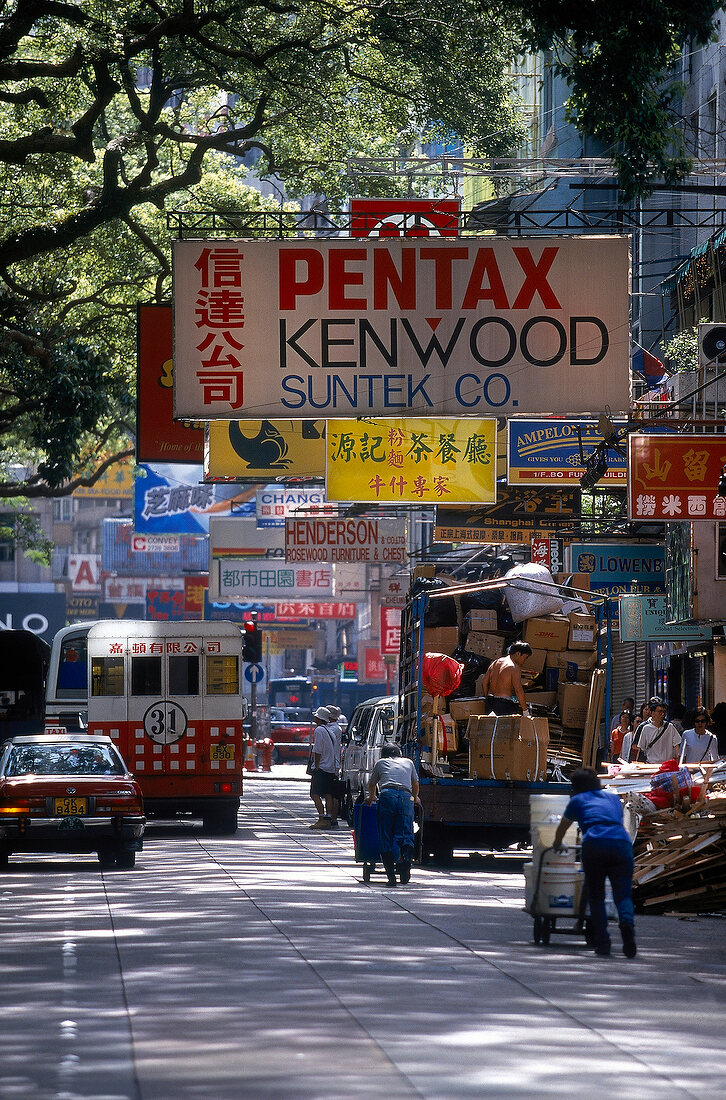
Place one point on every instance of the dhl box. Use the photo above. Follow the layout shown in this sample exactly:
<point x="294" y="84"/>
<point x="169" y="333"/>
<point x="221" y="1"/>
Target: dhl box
<point x="572" y="700"/>
<point x="440" y="639"/>
<point x="548" y="632"/>
<point x="509" y="747"/>
<point x="583" y="631"/>
<point x="446" y="738"/>
<point x="485" y="645"/>
<point x="462" y="709"/>
<point x="571" y="666"/>
<point x="481" y="618"/>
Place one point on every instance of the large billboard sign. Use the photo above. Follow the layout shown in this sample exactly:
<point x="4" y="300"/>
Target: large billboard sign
<point x="349" y="540"/>
<point x="676" y="477"/>
<point x="550" y="452"/>
<point x="158" y="437"/>
<point x="519" y="516"/>
<point x="412" y="461"/>
<point x="256" y="450"/>
<point x="400" y="327"/>
<point x="616" y="568"/>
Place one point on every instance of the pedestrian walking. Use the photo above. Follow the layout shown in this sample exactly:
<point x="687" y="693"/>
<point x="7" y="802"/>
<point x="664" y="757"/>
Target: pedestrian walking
<point x="607" y="852"/>
<point x="658" y="740"/>
<point x="699" y="745"/>
<point x="324" y="771"/>
<point x="394" y="776"/>
<point x="335" y="727"/>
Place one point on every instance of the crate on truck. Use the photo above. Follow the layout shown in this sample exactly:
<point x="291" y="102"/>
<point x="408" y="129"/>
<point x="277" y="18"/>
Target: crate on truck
<point x="169" y="695"/>
<point x="476" y="773"/>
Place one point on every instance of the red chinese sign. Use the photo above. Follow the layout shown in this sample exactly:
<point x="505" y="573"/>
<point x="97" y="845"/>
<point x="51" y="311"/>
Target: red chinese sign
<point x="159" y="438"/>
<point x="390" y="630"/>
<point x="675" y="477"/>
<point x="314" y="609"/>
<point x="404" y="217"/>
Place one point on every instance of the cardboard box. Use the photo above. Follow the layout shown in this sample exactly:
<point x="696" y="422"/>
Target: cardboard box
<point x="425" y="572"/>
<point x="580" y="581"/>
<point x="482" y="619"/>
<point x="535" y="662"/>
<point x="485" y="645"/>
<point x="542" y="698"/>
<point x="572" y="666"/>
<point x="440" y="639"/>
<point x="547" y="632"/>
<point x="572" y="700"/>
<point x="583" y="631"/>
<point x="462" y="709"/>
<point x="446" y="736"/>
<point x="511" y="747"/>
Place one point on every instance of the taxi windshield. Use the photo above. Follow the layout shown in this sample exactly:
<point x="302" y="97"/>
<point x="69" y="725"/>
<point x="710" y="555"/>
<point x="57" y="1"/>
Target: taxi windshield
<point x="63" y="759"/>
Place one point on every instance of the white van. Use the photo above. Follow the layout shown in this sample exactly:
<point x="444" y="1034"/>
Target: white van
<point x="373" y="723"/>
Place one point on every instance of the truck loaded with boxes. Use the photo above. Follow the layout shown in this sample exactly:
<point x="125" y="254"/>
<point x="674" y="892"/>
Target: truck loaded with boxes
<point x="478" y="770"/>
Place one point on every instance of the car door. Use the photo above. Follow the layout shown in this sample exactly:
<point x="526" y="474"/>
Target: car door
<point x="354" y="758"/>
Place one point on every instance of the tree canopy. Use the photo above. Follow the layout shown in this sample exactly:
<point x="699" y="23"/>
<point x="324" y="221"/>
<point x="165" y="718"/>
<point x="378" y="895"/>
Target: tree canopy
<point x="112" y="112"/>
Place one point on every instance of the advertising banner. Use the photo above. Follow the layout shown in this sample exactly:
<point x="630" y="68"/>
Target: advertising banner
<point x="370" y="666"/>
<point x="547" y="452"/>
<point x="158" y="437"/>
<point x="616" y="568"/>
<point x="118" y="556"/>
<point x="43" y="613"/>
<point x="116" y="481"/>
<point x="518" y="516"/>
<point x="412" y="461"/>
<point x="173" y="500"/>
<point x="394" y="327"/>
<point x="276" y="502"/>
<point x="242" y="538"/>
<point x="80" y="608"/>
<point x="643" y="619"/>
<point x="255" y="450"/>
<point x="404" y="217"/>
<point x="238" y="611"/>
<point x="194" y="590"/>
<point x="349" y="540"/>
<point x="676" y="477"/>
<point x="84" y="572"/>
<point x="165" y="603"/>
<point x="233" y="579"/>
<point x="390" y="630"/>
<point x="393" y="591"/>
<point x="550" y="553"/>
<point x="292" y="610"/>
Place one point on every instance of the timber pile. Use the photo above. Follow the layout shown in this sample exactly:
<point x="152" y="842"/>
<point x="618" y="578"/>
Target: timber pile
<point x="680" y="852"/>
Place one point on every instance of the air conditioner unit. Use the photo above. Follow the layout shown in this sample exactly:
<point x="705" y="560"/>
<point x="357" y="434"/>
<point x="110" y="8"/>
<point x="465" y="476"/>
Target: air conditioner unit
<point x="712" y="345"/>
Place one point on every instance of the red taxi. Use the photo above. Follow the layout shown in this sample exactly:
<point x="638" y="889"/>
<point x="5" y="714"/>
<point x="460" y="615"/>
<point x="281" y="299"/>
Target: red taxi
<point x="290" y="733"/>
<point x="69" y="794"/>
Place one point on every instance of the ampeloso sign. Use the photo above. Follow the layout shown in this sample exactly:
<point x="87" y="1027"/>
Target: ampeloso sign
<point x="343" y="328"/>
<point x="345" y="540"/>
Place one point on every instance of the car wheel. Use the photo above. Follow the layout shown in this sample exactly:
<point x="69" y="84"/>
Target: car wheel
<point x="107" y="858"/>
<point x="349" y="805"/>
<point x="275" y="756"/>
<point x="125" y="859"/>
<point x="4" y="853"/>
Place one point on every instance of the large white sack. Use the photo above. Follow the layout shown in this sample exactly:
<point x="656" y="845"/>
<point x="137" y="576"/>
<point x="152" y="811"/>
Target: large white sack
<point x="527" y="598"/>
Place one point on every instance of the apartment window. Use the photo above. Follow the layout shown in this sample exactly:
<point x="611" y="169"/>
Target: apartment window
<point x="7" y="540"/>
<point x="62" y="510"/>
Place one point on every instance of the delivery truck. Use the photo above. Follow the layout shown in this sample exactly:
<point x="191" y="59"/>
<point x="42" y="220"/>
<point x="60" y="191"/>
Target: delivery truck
<point x="476" y="771"/>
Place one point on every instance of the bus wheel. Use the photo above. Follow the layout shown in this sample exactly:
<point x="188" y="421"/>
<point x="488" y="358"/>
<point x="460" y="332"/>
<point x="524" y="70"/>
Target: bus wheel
<point x="125" y="859"/>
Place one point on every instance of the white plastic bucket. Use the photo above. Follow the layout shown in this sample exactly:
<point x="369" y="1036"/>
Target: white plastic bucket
<point x="560" y="889"/>
<point x="547" y="808"/>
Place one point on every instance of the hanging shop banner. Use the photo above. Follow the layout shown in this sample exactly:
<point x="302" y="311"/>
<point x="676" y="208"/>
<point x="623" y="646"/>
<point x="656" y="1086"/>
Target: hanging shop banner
<point x="116" y="481"/>
<point x="394" y="327"/>
<point x="194" y="590"/>
<point x="293" y="610"/>
<point x="390" y="630"/>
<point x="411" y="461"/>
<point x="239" y="611"/>
<point x="233" y="579"/>
<point x="352" y="540"/>
<point x="404" y="217"/>
<point x="547" y="452"/>
<point x="550" y="553"/>
<point x="159" y="438"/>
<point x="84" y="572"/>
<point x="80" y="608"/>
<point x="616" y="568"/>
<point x="276" y="502"/>
<point x="164" y="604"/>
<point x="643" y="619"/>
<point x="232" y="537"/>
<point x="255" y="450"/>
<point x="519" y="516"/>
<point x="394" y="591"/>
<point x="676" y="477"/>
<point x="172" y="499"/>
<point x="370" y="668"/>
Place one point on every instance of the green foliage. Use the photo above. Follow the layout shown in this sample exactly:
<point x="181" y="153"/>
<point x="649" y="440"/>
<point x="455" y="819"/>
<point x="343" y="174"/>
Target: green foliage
<point x="681" y="351"/>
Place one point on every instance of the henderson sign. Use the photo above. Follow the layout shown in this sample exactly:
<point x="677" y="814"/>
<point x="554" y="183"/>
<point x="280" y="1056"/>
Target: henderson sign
<point x="386" y="327"/>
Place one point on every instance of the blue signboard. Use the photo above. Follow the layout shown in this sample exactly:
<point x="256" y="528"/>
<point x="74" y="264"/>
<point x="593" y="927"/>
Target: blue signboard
<point x="619" y="567"/>
<point x="547" y="452"/>
<point x="172" y="500"/>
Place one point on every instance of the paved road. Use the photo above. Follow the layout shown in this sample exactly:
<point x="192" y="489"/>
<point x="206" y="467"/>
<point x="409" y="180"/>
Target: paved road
<point x="260" y="966"/>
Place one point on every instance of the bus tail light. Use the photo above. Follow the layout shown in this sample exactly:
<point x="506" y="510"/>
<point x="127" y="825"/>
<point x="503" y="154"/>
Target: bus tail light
<point x="227" y="787"/>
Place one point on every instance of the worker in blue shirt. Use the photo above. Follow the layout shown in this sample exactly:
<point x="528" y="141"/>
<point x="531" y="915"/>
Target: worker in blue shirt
<point x="607" y="852"/>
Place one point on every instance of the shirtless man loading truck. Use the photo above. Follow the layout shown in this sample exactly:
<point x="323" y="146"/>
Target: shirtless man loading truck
<point x="503" y="681"/>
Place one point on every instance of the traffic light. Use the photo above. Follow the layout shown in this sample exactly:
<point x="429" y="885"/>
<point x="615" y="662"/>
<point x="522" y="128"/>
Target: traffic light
<point x="251" y="642"/>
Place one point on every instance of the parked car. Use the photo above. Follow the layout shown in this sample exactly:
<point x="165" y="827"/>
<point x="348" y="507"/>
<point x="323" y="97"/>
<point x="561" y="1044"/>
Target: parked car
<point x="69" y="794"/>
<point x="372" y="724"/>
<point x="290" y="733"/>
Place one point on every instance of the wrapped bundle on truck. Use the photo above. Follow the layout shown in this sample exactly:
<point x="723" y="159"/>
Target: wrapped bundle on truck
<point x="477" y="770"/>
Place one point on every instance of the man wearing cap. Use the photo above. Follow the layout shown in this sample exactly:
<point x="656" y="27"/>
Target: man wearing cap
<point x="335" y="727"/>
<point x="324" y="777"/>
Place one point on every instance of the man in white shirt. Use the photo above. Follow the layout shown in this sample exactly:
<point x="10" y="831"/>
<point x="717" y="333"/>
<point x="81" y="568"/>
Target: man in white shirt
<point x="325" y="772"/>
<point x="698" y="745"/>
<point x="658" y="740"/>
